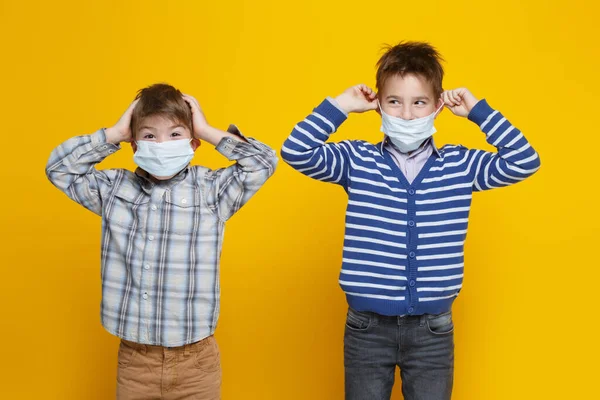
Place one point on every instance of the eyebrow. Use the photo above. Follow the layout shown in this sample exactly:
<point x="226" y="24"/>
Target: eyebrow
<point x="153" y="129"/>
<point x="391" y="96"/>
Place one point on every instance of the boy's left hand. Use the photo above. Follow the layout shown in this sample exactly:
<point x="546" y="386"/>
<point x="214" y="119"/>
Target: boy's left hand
<point x="199" y="122"/>
<point x="460" y="101"/>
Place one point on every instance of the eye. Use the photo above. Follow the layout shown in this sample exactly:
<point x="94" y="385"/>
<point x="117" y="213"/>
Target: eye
<point x="420" y="103"/>
<point x="394" y="101"/>
<point x="175" y="134"/>
<point x="148" y="136"/>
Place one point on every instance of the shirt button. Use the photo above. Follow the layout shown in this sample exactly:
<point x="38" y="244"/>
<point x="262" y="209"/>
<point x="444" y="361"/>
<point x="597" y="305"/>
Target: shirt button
<point x="412" y="254"/>
<point x="147" y="266"/>
<point x="411" y="223"/>
<point x="145" y="296"/>
<point x="150" y="237"/>
<point x="229" y="140"/>
<point x="153" y="207"/>
<point x="411" y="191"/>
<point x="411" y="310"/>
<point x="183" y="201"/>
<point x="412" y="283"/>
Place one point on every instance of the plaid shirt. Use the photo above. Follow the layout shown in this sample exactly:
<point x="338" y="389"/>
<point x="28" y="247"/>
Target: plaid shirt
<point x="161" y="242"/>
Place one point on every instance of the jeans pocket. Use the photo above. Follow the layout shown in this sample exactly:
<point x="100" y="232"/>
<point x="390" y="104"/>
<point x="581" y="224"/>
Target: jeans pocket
<point x="440" y="324"/>
<point x="358" y="321"/>
<point x="207" y="357"/>
<point x="127" y="353"/>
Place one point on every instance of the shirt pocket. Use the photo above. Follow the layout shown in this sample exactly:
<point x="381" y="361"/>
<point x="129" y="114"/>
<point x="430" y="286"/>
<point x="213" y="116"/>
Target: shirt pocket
<point x="127" y="209"/>
<point x="184" y="207"/>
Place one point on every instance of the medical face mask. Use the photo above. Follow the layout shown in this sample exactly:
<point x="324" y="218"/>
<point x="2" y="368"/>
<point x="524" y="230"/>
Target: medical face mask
<point x="408" y="135"/>
<point x="165" y="158"/>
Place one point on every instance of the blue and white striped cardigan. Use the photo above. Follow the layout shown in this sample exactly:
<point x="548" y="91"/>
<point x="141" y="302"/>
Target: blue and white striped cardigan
<point x="404" y="242"/>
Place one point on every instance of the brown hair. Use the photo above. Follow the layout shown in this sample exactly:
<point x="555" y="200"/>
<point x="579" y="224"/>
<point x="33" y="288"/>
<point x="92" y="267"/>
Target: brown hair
<point x="417" y="58"/>
<point x="161" y="99"/>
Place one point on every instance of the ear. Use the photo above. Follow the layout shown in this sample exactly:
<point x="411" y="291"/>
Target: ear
<point x="440" y="103"/>
<point x="378" y="109"/>
<point x="133" y="146"/>
<point x="195" y="143"/>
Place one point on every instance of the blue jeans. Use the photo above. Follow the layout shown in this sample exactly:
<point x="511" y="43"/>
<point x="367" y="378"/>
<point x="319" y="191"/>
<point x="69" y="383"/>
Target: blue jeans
<point x="422" y="346"/>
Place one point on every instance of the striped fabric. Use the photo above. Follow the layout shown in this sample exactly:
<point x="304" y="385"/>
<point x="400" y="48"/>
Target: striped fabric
<point x="161" y="242"/>
<point x="404" y="242"/>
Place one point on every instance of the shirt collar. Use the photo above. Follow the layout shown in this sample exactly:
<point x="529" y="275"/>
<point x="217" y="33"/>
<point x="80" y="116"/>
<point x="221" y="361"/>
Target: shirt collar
<point x="148" y="182"/>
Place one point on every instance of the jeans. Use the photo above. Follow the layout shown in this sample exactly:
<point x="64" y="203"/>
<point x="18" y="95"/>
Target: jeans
<point x="421" y="346"/>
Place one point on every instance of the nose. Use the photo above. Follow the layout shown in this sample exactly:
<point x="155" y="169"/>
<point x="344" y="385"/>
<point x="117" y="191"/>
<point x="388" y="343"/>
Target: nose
<point x="406" y="114"/>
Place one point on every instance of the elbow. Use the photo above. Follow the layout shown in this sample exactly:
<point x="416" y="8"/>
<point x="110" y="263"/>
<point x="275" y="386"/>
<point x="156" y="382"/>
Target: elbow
<point x="286" y="154"/>
<point x="536" y="164"/>
<point x="273" y="161"/>
<point x="49" y="173"/>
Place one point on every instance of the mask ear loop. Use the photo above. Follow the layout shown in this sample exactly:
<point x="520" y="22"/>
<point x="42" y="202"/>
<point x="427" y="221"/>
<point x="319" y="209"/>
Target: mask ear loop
<point x="437" y="112"/>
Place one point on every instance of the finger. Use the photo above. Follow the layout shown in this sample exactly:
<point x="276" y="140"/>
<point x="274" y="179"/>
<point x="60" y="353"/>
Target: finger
<point x="451" y="97"/>
<point x="454" y="98"/>
<point x="446" y="99"/>
<point x="457" y="97"/>
<point x="372" y="94"/>
<point x="132" y="106"/>
<point x="193" y="104"/>
<point x="191" y="99"/>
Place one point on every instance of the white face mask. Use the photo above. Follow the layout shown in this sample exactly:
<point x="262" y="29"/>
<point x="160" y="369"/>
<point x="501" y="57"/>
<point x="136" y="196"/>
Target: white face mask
<point x="163" y="159"/>
<point x="408" y="135"/>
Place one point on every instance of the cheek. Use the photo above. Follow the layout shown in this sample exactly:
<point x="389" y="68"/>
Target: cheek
<point x="424" y="112"/>
<point x="393" y="111"/>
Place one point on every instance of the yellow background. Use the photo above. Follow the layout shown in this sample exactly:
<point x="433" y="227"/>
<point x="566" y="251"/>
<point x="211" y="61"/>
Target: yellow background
<point x="526" y="320"/>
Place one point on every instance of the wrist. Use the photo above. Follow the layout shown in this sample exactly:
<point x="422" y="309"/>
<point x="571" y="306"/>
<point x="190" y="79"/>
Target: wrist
<point x="201" y="132"/>
<point x="112" y="136"/>
<point x="344" y="103"/>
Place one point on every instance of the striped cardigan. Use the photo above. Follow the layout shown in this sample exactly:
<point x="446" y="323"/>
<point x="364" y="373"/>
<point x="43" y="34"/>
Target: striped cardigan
<point x="404" y="242"/>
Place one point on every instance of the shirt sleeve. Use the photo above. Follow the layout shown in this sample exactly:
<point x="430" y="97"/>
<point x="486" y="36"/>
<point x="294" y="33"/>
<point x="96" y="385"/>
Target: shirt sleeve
<point x="515" y="158"/>
<point x="228" y="189"/>
<point x="71" y="168"/>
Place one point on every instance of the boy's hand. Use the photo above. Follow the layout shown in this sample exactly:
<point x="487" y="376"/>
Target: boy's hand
<point x="121" y="131"/>
<point x="198" y="119"/>
<point x="460" y="101"/>
<point x="359" y="98"/>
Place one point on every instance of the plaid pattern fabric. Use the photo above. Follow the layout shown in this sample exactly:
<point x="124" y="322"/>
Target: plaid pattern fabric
<point x="161" y="242"/>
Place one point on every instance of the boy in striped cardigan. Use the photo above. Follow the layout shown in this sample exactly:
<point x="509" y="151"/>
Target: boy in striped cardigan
<point x="407" y="216"/>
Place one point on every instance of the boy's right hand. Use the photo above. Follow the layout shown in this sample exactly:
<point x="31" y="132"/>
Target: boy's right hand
<point x="359" y="98"/>
<point x="121" y="131"/>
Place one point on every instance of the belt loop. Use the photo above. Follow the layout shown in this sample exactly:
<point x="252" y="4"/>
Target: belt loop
<point x="186" y="350"/>
<point x="423" y="320"/>
<point x="144" y="349"/>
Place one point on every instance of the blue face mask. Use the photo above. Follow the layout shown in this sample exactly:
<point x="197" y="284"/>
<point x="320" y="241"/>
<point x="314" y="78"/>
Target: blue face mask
<point x="163" y="159"/>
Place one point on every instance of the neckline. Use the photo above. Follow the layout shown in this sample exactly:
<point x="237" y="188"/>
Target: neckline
<point x="401" y="177"/>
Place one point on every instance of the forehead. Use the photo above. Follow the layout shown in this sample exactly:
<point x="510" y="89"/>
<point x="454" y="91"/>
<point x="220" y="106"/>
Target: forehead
<point x="158" y="122"/>
<point x="408" y="85"/>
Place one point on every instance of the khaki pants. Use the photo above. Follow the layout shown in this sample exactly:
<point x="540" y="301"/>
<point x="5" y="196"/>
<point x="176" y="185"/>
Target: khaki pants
<point x="169" y="373"/>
